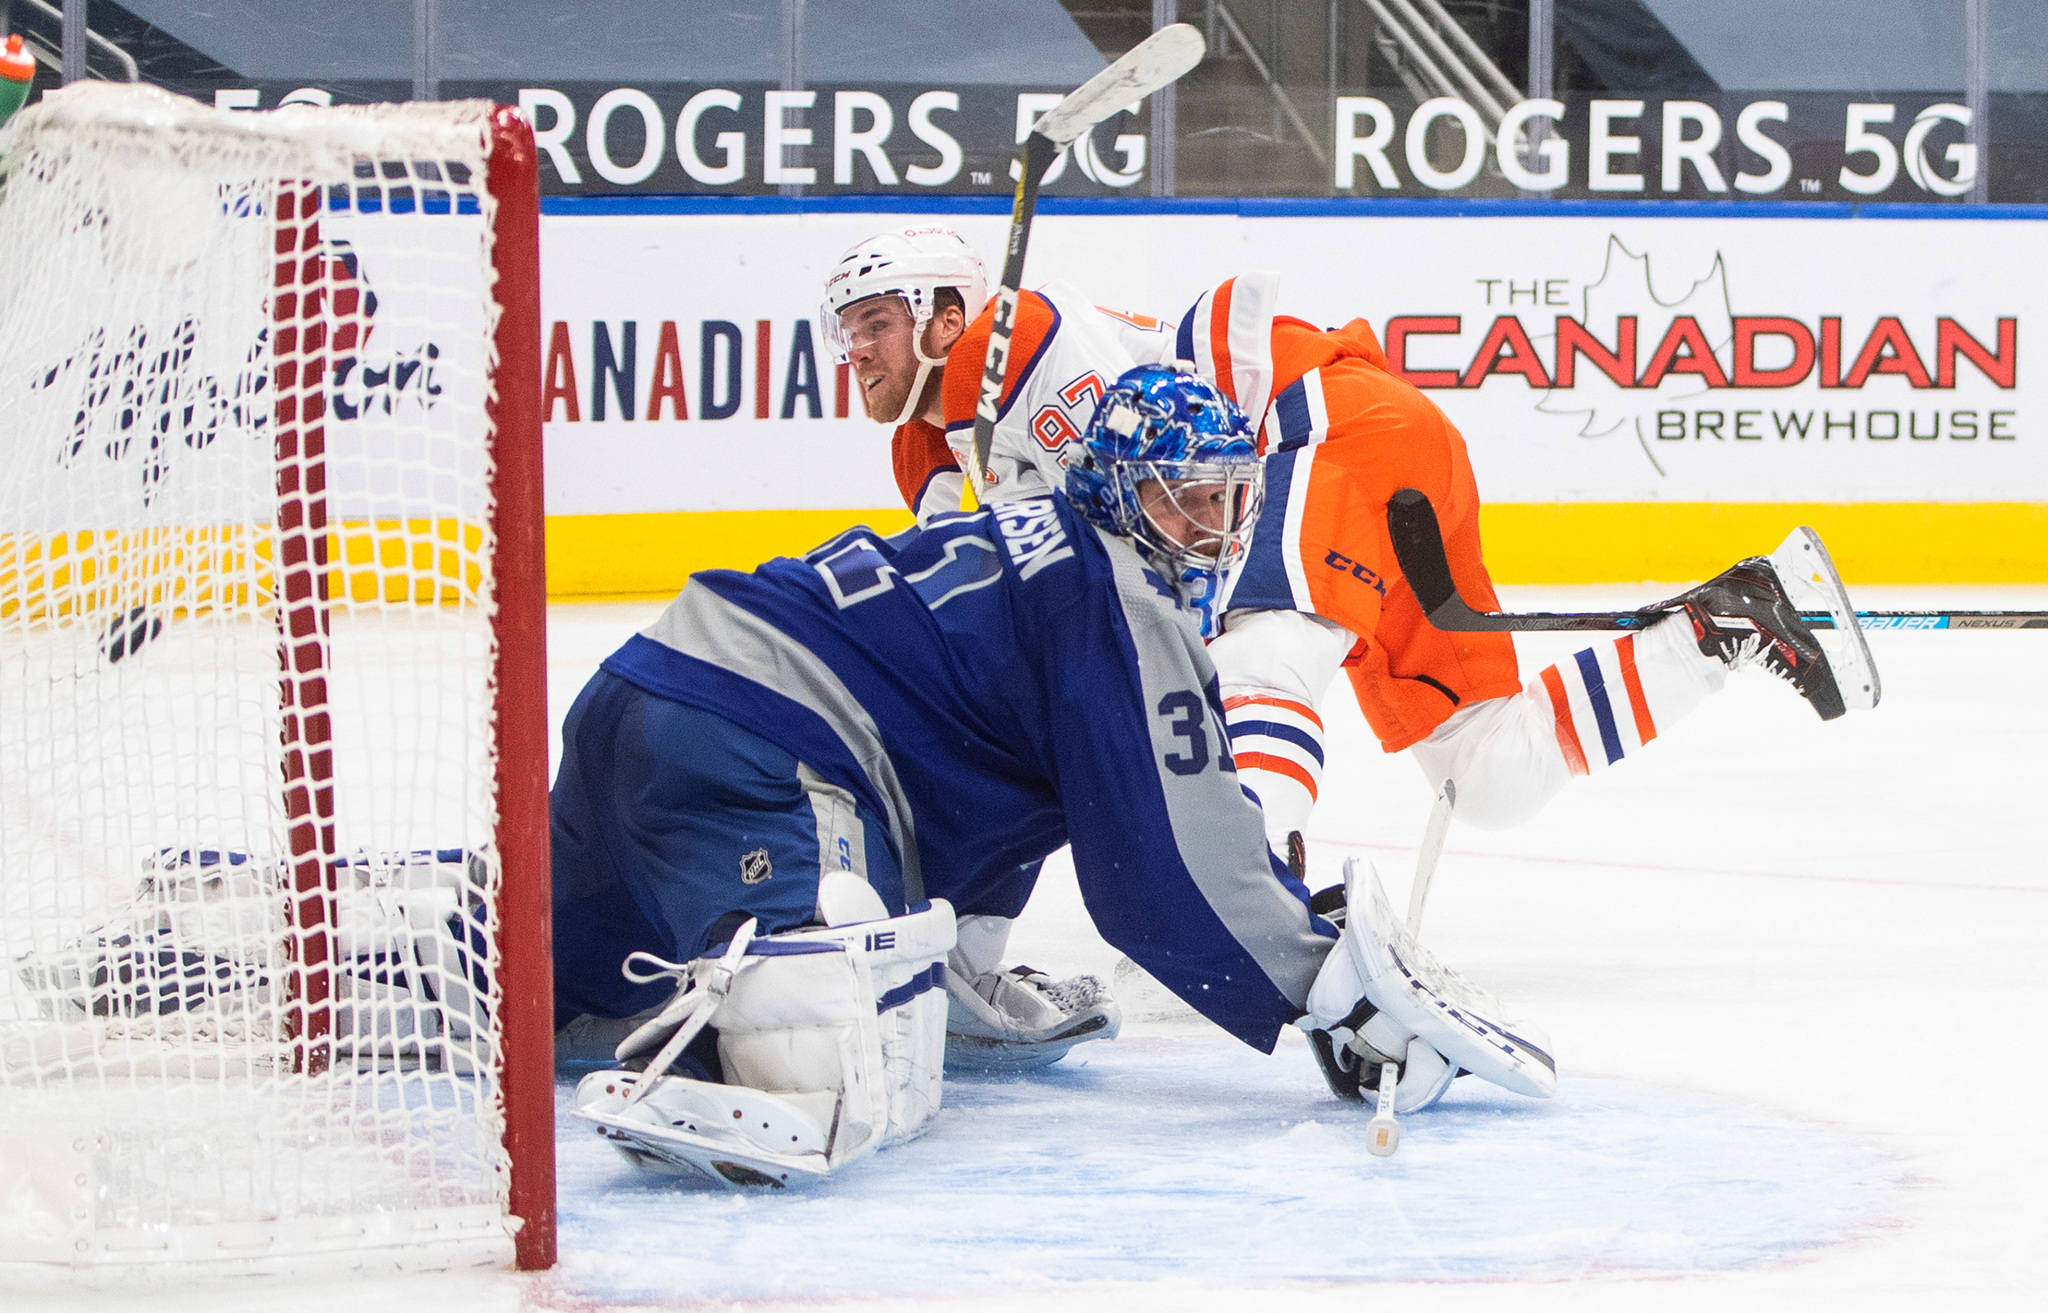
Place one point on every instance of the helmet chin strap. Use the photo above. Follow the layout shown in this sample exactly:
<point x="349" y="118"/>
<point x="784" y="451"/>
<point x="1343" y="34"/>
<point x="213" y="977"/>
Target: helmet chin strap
<point x="925" y="365"/>
<point x="924" y="371"/>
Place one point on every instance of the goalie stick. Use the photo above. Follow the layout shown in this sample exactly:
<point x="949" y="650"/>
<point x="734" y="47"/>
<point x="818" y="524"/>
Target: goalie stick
<point x="1383" y="1132"/>
<point x="1419" y="547"/>
<point x="1156" y="62"/>
<point x="1432" y="848"/>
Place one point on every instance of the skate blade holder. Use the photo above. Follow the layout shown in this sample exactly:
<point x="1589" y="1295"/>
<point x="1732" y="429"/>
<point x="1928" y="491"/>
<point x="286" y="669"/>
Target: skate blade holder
<point x="687" y="1127"/>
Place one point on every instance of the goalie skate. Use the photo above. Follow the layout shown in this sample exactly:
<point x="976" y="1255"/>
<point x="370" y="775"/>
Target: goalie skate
<point x="830" y="1044"/>
<point x="729" y="1135"/>
<point x="1020" y="1018"/>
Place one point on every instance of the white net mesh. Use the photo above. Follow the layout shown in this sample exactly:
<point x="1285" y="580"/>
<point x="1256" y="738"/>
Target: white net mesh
<point x="248" y="988"/>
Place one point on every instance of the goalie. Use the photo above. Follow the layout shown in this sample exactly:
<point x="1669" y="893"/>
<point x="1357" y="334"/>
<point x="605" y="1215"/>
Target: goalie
<point x="770" y="801"/>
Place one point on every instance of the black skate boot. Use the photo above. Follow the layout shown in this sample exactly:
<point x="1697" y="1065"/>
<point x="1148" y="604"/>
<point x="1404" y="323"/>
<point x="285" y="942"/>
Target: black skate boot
<point x="1743" y="614"/>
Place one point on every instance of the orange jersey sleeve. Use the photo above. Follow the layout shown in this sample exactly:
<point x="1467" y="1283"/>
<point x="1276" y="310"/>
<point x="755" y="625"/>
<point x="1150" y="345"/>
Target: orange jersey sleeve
<point x="919" y="452"/>
<point x="962" y="387"/>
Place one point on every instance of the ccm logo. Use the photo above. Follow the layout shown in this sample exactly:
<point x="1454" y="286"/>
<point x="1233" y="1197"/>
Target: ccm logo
<point x="881" y="939"/>
<point x="1339" y="561"/>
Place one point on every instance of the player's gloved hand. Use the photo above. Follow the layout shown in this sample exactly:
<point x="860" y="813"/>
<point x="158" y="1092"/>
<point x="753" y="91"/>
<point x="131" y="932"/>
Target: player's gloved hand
<point x="1380" y="995"/>
<point x="1353" y="1041"/>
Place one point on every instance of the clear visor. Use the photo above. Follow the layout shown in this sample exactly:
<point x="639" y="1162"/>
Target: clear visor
<point x="1199" y="515"/>
<point x="865" y="323"/>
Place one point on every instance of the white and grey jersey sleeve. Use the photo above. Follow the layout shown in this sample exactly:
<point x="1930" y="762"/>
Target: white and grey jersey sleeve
<point x="1170" y="850"/>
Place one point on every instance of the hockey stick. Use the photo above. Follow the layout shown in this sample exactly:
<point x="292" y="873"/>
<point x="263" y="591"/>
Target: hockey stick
<point x="1155" y="62"/>
<point x="1419" y="547"/>
<point x="1383" y="1133"/>
<point x="1432" y="848"/>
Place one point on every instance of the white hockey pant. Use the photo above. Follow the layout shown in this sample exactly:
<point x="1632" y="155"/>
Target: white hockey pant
<point x="1509" y="755"/>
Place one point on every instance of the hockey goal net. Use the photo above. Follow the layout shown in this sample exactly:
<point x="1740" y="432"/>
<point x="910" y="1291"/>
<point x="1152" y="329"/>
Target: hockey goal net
<point x="273" y="916"/>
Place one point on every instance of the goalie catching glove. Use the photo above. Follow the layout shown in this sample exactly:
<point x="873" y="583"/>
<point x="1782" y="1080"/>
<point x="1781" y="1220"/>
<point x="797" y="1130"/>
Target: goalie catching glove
<point x="1381" y="997"/>
<point x="831" y="1042"/>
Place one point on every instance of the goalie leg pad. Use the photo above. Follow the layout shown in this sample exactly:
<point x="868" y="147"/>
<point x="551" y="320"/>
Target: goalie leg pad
<point x="202" y="946"/>
<point x="833" y="1045"/>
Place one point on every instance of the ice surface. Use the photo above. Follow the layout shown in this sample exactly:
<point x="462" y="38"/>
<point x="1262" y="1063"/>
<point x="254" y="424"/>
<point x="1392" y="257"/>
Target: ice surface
<point x="1186" y="1155"/>
<point x="1794" y="972"/>
<point x="1791" y="969"/>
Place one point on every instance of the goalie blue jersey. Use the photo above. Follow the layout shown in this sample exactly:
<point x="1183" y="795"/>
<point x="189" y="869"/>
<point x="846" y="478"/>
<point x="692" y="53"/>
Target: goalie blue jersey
<point x="992" y="686"/>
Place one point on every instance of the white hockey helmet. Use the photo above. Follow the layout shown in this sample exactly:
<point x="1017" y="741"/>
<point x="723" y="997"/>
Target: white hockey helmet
<point x="913" y="263"/>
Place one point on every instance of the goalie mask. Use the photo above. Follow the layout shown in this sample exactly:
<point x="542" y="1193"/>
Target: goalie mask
<point x="910" y="264"/>
<point x="1168" y="462"/>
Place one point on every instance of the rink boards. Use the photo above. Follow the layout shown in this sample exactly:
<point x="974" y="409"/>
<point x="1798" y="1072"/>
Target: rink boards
<point x="1659" y="384"/>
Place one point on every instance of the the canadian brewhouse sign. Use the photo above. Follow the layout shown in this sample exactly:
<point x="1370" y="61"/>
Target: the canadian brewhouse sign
<point x="1583" y="358"/>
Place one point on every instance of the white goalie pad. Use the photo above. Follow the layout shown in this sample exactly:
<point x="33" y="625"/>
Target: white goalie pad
<point x="200" y="951"/>
<point x="1812" y="585"/>
<point x="832" y="1041"/>
<point x="1377" y="959"/>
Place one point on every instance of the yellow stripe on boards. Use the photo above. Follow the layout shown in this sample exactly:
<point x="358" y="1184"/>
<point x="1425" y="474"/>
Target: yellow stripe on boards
<point x="1871" y="542"/>
<point x="180" y="570"/>
<point x="198" y="569"/>
<point x="1526" y="543"/>
<point x="651" y="555"/>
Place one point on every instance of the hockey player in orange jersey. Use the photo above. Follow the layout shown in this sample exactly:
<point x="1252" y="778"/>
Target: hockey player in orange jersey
<point x="1322" y="590"/>
<point x="898" y="304"/>
<point x="894" y="306"/>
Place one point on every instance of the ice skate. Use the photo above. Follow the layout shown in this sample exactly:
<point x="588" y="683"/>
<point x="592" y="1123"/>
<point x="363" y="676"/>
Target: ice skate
<point x="1744" y="614"/>
<point x="1019" y="1018"/>
<point x="1812" y="584"/>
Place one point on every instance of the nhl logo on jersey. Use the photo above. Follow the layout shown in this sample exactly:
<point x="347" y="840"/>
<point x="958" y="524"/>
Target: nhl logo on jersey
<point x="754" y="867"/>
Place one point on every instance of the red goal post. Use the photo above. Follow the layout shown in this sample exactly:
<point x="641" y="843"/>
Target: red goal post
<point x="275" y="988"/>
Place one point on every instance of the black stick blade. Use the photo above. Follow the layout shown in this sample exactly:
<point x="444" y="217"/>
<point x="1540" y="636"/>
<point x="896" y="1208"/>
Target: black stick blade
<point x="1419" y="547"/>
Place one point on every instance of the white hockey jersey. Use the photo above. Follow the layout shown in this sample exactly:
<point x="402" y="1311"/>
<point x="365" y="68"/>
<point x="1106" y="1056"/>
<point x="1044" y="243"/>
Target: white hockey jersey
<point x="1064" y="353"/>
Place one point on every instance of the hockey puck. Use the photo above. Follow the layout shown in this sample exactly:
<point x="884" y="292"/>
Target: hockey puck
<point x="129" y="632"/>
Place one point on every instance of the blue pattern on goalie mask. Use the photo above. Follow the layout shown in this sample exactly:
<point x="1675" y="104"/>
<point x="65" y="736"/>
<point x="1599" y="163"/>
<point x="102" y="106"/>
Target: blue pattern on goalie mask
<point x="1161" y="424"/>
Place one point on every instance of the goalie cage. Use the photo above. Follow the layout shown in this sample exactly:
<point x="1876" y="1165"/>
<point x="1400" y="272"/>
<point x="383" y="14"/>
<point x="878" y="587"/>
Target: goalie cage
<point x="274" y="981"/>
